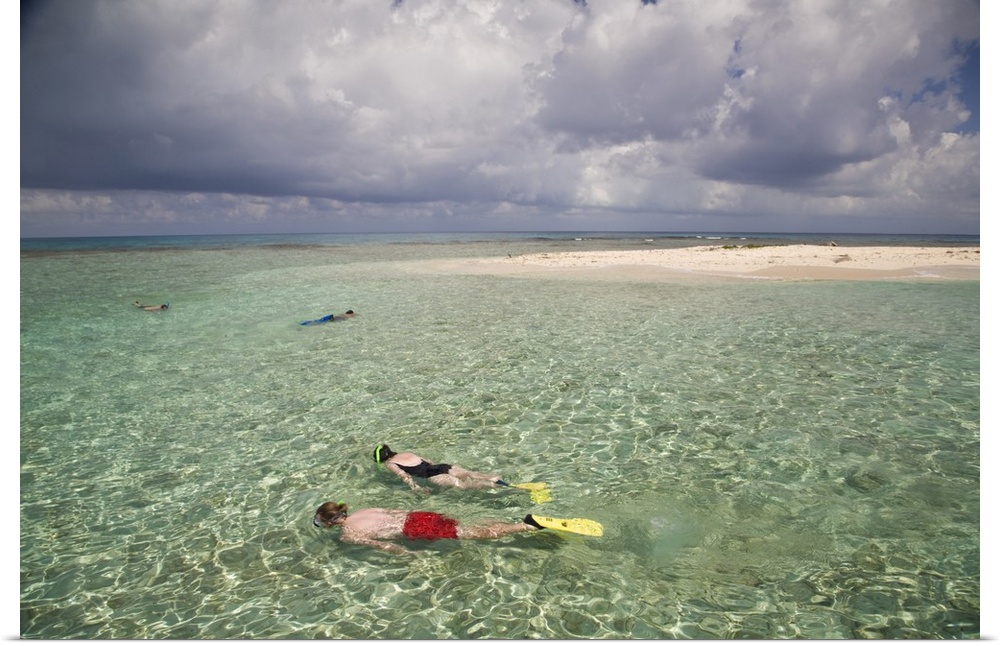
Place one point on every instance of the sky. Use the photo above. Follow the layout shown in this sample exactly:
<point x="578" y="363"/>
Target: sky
<point x="159" y="117"/>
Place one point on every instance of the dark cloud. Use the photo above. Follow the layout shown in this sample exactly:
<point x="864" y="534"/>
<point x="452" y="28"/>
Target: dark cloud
<point x="566" y="107"/>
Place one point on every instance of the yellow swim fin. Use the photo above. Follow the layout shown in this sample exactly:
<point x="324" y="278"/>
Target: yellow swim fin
<point x="539" y="492"/>
<point x="530" y="486"/>
<point x="538" y="496"/>
<point x="583" y="526"/>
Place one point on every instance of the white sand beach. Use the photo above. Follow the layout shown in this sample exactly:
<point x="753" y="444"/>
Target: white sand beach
<point x="775" y="262"/>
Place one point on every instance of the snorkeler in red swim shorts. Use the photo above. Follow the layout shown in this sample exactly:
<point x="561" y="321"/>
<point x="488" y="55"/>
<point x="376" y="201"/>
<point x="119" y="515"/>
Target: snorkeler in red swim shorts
<point x="376" y="527"/>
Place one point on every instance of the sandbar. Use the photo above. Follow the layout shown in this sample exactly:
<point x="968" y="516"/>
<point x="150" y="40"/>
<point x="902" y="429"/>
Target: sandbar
<point x="793" y="262"/>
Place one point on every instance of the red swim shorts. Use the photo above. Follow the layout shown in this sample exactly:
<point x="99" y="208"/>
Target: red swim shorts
<point x="429" y="526"/>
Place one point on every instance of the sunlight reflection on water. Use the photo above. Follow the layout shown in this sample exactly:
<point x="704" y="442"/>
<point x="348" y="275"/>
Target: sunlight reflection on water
<point x="769" y="460"/>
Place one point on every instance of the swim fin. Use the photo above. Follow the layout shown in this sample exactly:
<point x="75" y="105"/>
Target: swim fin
<point x="539" y="492"/>
<point x="538" y="496"/>
<point x="583" y="526"/>
<point x="530" y="486"/>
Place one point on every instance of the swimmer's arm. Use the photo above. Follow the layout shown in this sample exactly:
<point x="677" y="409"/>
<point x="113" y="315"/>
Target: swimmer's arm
<point x="379" y="545"/>
<point x="406" y="477"/>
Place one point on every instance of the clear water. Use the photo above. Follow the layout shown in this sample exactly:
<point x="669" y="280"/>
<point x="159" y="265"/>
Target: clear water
<point x="769" y="460"/>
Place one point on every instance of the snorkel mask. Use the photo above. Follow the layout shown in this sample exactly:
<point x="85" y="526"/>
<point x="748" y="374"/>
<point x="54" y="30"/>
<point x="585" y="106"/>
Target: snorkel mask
<point x="378" y="453"/>
<point x="341" y="513"/>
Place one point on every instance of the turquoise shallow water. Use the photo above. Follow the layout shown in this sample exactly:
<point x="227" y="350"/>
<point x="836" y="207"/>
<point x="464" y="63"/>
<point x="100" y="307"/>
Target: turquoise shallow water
<point x="768" y="459"/>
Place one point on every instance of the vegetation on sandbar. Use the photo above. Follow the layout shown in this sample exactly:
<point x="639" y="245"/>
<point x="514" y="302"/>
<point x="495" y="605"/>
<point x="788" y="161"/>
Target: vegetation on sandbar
<point x="748" y="246"/>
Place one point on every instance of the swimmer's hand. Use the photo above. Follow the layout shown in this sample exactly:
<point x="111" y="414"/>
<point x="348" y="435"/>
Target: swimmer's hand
<point x="415" y="487"/>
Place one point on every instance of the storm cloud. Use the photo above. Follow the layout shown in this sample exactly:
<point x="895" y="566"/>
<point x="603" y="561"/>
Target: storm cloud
<point x="358" y="115"/>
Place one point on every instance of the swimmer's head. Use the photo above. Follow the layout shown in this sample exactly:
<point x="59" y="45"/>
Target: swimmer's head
<point x="382" y="453"/>
<point x="330" y="513"/>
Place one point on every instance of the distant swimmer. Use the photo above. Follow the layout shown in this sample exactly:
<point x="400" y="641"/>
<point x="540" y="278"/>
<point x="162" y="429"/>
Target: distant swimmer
<point x="152" y="308"/>
<point x="376" y="527"/>
<point x="329" y="318"/>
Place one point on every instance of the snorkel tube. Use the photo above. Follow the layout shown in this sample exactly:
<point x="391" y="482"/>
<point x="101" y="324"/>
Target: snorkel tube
<point x="382" y="453"/>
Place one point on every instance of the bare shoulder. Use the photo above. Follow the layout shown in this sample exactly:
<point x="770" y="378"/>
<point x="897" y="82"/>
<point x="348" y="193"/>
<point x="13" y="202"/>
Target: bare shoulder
<point x="373" y="523"/>
<point x="374" y="515"/>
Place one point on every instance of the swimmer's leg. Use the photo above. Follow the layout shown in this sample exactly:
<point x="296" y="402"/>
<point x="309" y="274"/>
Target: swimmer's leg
<point x="446" y="480"/>
<point x="472" y="479"/>
<point x="494" y="530"/>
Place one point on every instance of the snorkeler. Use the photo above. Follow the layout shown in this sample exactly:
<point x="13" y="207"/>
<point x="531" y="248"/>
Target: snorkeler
<point x="375" y="527"/>
<point x="152" y="308"/>
<point x="408" y="465"/>
<point x="330" y="318"/>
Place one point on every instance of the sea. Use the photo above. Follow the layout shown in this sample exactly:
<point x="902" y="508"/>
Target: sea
<point x="769" y="459"/>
